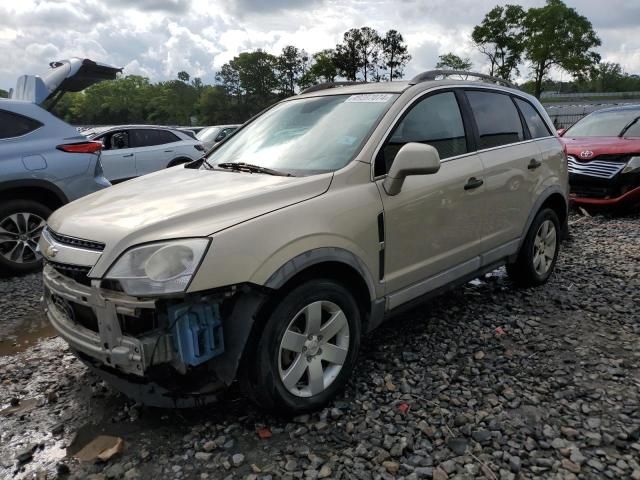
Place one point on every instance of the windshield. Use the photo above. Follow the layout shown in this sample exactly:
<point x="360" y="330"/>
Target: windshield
<point x="605" y="124"/>
<point x="308" y="135"/>
<point x="208" y="134"/>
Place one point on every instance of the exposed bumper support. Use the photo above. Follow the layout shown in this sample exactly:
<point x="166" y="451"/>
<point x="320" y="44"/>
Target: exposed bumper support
<point x="109" y="345"/>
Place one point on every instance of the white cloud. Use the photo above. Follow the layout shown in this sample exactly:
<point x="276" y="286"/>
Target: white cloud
<point x="158" y="38"/>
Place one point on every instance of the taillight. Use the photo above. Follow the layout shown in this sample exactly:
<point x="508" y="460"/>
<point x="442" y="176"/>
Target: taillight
<point x="82" y="147"/>
<point x="199" y="147"/>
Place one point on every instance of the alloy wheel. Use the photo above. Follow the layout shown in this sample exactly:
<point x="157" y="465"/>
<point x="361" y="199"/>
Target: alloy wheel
<point x="19" y="236"/>
<point x="544" y="247"/>
<point x="313" y="349"/>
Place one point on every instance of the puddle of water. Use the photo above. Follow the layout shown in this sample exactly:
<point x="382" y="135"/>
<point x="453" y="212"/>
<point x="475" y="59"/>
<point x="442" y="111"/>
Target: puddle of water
<point x="28" y="332"/>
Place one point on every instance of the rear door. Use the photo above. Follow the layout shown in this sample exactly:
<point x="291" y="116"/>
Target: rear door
<point x="506" y="153"/>
<point x="118" y="156"/>
<point x="433" y="226"/>
<point x="155" y="148"/>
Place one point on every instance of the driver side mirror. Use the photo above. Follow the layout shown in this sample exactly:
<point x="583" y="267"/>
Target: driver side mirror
<point x="411" y="159"/>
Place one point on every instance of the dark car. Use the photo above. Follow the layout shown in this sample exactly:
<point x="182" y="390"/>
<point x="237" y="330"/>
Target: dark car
<point x="604" y="157"/>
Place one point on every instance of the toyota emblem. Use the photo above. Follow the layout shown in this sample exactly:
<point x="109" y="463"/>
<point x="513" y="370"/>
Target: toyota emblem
<point x="51" y="251"/>
<point x="586" y="154"/>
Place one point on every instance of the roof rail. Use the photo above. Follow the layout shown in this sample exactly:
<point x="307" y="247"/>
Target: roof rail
<point x="432" y="74"/>
<point x="323" y="86"/>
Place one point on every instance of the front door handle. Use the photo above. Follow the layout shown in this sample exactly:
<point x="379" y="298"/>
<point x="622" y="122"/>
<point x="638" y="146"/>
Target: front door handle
<point x="473" y="182"/>
<point x="168" y="151"/>
<point x="128" y="155"/>
<point x="533" y="164"/>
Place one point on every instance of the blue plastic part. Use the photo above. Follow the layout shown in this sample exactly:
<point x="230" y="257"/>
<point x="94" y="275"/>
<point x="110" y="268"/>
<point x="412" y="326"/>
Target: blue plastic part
<point x="197" y="331"/>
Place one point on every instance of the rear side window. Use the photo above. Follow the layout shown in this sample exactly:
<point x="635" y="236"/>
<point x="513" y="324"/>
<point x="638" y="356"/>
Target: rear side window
<point x="149" y="138"/>
<point x="537" y="127"/>
<point x="497" y="119"/>
<point x="435" y="120"/>
<point x="14" y="125"/>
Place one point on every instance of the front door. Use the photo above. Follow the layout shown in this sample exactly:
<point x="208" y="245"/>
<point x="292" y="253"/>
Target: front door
<point x="118" y="157"/>
<point x="433" y="227"/>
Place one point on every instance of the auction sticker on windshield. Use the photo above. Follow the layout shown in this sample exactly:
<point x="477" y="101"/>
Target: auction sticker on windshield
<point x="369" y="98"/>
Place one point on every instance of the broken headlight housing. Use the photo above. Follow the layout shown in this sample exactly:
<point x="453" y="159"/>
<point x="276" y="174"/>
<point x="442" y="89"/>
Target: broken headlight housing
<point x="633" y="165"/>
<point x="158" y="268"/>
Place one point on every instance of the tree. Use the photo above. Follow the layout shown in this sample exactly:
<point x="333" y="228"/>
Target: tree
<point x="453" y="62"/>
<point x="501" y="38"/>
<point x="368" y="44"/>
<point x="4" y="93"/>
<point x="607" y="77"/>
<point x="229" y="78"/>
<point x="290" y="67"/>
<point x="556" y="35"/>
<point x="183" y="76"/>
<point x="323" y="69"/>
<point x="395" y="54"/>
<point x="347" y="55"/>
<point x="257" y="73"/>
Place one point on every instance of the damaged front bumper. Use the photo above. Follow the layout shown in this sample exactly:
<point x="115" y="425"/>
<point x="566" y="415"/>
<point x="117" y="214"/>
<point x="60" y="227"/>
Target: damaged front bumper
<point x="98" y="334"/>
<point x="162" y="352"/>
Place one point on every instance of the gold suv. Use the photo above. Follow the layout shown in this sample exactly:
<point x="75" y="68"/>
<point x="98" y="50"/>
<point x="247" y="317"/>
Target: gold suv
<point x="269" y="259"/>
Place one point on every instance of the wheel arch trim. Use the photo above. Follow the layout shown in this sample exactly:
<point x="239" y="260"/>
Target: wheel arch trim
<point x="318" y="256"/>
<point x="35" y="183"/>
<point x="542" y="198"/>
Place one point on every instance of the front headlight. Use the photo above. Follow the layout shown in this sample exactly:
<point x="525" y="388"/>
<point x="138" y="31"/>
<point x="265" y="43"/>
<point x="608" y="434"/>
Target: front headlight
<point x="632" y="165"/>
<point x="158" y="268"/>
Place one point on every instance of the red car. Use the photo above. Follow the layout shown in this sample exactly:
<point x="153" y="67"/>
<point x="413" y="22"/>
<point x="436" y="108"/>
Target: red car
<point x="603" y="151"/>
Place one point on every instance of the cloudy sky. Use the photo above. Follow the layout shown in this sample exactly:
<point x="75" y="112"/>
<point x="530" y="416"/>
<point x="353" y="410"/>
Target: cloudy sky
<point x="158" y="38"/>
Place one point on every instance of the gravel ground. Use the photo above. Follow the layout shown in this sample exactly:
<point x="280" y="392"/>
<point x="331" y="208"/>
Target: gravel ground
<point x="484" y="382"/>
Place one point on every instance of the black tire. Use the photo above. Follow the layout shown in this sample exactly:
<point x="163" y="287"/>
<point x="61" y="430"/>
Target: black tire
<point x="523" y="272"/>
<point x="178" y="161"/>
<point x="260" y="375"/>
<point x="7" y="266"/>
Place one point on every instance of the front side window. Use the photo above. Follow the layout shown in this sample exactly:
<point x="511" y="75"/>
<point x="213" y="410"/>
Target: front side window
<point x="308" y="135"/>
<point x="435" y="120"/>
<point x="14" y="125"/>
<point x="497" y="119"/>
<point x="537" y="127"/>
<point x="606" y="124"/>
<point x="116" y="141"/>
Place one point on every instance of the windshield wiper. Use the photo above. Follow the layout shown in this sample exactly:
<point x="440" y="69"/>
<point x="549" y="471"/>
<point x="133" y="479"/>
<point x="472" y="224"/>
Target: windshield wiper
<point x="248" y="167"/>
<point x="628" y="126"/>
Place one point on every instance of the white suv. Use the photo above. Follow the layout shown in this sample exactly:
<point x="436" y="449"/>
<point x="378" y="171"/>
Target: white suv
<point x="133" y="150"/>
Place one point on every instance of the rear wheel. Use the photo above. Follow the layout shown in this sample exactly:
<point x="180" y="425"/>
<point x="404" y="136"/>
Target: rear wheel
<point x="21" y="224"/>
<point x="539" y="252"/>
<point x="306" y="351"/>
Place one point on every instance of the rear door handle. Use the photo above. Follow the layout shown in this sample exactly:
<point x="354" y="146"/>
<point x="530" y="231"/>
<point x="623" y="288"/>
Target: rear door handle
<point x="168" y="151"/>
<point x="473" y="182"/>
<point x="128" y="155"/>
<point x="533" y="164"/>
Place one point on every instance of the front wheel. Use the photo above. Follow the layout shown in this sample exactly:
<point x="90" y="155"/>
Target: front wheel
<point x="539" y="252"/>
<point x="306" y="351"/>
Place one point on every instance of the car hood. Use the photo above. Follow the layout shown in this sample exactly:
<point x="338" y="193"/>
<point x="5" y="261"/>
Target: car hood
<point x="600" y="146"/>
<point x="71" y="75"/>
<point x="179" y="202"/>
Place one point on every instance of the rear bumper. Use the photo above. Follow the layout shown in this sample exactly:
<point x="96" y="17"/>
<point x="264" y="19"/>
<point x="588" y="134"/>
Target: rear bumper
<point x="631" y="197"/>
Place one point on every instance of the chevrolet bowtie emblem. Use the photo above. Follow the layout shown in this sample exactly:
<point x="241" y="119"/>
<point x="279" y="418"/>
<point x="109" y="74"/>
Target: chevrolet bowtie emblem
<point x="51" y="251"/>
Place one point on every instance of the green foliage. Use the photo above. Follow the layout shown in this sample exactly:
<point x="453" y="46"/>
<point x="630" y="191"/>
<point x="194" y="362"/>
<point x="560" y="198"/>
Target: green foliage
<point x="500" y="38"/>
<point x="4" y="93"/>
<point x="347" y="55"/>
<point x="395" y="54"/>
<point x="453" y="62"/>
<point x="556" y="35"/>
<point x="323" y="69"/>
